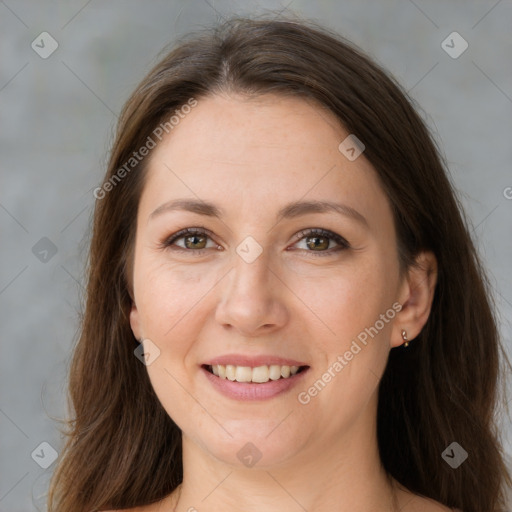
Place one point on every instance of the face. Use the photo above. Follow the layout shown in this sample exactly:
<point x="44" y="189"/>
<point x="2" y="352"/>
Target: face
<point x="260" y="287"/>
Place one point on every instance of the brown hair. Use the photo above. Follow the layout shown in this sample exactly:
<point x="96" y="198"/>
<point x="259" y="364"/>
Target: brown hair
<point x="123" y="450"/>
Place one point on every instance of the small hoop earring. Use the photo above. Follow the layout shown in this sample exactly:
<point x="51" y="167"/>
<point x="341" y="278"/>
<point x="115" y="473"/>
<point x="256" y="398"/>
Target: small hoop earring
<point x="404" y="337"/>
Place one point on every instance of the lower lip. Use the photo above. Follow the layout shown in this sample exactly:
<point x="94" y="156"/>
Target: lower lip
<point x="246" y="391"/>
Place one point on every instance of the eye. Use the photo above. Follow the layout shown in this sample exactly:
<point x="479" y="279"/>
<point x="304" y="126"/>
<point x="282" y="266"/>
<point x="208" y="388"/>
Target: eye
<point x="195" y="240"/>
<point x="318" y="238"/>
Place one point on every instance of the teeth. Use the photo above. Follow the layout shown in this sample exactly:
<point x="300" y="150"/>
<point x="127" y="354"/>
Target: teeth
<point x="230" y="372"/>
<point x="258" y="374"/>
<point x="243" y="374"/>
<point x="275" y="372"/>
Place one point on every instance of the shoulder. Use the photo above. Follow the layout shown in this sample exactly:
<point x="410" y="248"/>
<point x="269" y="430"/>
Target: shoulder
<point x="134" y="509"/>
<point x="154" y="507"/>
<point x="158" y="506"/>
<point x="415" y="503"/>
<point x="142" y="508"/>
<point x="429" y="505"/>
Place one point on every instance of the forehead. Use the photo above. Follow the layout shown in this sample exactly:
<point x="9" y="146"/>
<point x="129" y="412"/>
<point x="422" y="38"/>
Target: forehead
<point x="237" y="129"/>
<point x="256" y="154"/>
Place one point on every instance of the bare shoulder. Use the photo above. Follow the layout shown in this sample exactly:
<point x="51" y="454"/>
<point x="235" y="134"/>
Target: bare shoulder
<point x="154" y="507"/>
<point x="163" y="505"/>
<point x="143" y="508"/>
<point x="414" y="503"/>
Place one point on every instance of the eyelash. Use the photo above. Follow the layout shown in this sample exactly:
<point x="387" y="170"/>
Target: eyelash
<point x="343" y="244"/>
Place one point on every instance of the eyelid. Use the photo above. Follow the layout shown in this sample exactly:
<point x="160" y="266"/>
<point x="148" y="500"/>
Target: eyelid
<point x="304" y="233"/>
<point x="322" y="232"/>
<point x="182" y="233"/>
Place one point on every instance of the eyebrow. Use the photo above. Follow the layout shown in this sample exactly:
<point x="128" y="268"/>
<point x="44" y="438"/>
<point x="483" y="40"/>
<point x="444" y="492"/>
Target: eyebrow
<point x="289" y="211"/>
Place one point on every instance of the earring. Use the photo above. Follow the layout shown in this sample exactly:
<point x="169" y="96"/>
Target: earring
<point x="404" y="337"/>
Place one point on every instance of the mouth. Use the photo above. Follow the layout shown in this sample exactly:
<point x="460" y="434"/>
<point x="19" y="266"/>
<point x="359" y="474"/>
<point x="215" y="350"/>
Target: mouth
<point x="254" y="375"/>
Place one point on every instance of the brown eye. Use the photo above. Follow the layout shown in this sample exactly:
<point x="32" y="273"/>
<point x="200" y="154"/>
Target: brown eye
<point x="319" y="240"/>
<point x="195" y="240"/>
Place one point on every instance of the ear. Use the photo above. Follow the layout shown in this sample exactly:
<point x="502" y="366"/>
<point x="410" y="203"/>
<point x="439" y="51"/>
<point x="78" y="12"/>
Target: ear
<point x="415" y="295"/>
<point x="135" y="321"/>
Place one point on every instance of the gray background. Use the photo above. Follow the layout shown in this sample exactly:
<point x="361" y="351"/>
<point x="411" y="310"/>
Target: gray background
<point x="57" y="118"/>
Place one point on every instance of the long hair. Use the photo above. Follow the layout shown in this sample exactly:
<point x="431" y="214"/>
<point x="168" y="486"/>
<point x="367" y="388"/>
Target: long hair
<point x="123" y="450"/>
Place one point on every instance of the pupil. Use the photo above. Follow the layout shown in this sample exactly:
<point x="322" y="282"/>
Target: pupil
<point x="314" y="244"/>
<point x="194" y="238"/>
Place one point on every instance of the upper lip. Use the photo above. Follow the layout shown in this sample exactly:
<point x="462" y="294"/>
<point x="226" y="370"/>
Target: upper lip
<point x="253" y="361"/>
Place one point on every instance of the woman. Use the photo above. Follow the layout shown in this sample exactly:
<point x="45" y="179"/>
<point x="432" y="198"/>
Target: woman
<point x="285" y="310"/>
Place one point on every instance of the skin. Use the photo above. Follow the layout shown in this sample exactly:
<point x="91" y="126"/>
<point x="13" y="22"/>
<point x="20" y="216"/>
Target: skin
<point x="251" y="156"/>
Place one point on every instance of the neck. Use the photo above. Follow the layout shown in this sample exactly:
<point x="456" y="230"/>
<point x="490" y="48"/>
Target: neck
<point x="344" y="474"/>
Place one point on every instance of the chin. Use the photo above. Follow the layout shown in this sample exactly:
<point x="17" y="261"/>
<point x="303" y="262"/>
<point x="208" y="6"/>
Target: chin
<point x="252" y="448"/>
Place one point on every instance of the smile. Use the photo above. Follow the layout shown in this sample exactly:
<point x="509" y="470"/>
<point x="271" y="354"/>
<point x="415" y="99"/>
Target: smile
<point x="249" y="383"/>
<point x="257" y="374"/>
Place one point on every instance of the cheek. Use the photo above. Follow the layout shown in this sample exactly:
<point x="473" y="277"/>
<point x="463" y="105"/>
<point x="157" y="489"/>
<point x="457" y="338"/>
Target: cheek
<point x="168" y="297"/>
<point x="349" y="306"/>
<point x="169" y="304"/>
<point x="345" y="302"/>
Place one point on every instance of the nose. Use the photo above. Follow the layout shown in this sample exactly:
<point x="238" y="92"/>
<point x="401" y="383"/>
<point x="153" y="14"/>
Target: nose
<point x="252" y="299"/>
